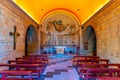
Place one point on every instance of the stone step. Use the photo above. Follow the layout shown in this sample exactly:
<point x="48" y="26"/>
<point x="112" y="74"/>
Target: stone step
<point x="61" y="70"/>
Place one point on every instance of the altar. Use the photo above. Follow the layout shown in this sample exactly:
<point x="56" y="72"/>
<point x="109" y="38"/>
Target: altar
<point x="60" y="49"/>
<point x="60" y="52"/>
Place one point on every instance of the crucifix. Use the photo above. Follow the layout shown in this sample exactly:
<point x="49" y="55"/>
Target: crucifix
<point x="14" y="34"/>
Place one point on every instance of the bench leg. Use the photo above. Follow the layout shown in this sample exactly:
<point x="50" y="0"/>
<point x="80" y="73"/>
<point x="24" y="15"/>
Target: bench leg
<point x="4" y="77"/>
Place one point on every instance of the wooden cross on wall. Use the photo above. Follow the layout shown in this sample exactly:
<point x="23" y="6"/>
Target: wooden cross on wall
<point x="14" y="34"/>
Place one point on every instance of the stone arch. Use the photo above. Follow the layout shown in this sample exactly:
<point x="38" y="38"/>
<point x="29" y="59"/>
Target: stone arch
<point x="60" y="30"/>
<point x="90" y="41"/>
<point x="31" y="40"/>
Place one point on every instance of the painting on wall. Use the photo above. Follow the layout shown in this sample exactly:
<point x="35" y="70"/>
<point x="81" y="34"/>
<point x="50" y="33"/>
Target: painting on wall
<point x="61" y="39"/>
<point x="60" y="30"/>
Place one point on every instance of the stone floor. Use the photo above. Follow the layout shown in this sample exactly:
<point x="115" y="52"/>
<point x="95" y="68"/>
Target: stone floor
<point x="60" y="69"/>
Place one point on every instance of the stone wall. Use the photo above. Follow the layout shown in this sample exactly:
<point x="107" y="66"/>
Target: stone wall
<point x="10" y="16"/>
<point x="107" y="28"/>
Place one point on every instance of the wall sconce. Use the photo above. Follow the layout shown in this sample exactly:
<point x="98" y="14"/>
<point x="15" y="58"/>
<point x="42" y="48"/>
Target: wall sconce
<point x="40" y="25"/>
<point x="81" y="26"/>
<point x="37" y="27"/>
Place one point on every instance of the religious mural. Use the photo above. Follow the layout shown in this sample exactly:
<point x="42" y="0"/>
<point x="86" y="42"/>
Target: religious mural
<point x="61" y="31"/>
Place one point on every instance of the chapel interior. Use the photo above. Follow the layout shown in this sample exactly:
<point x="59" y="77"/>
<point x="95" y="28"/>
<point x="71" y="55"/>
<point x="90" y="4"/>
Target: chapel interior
<point x="59" y="40"/>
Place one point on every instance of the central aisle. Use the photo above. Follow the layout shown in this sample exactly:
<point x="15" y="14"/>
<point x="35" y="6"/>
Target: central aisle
<point x="60" y="69"/>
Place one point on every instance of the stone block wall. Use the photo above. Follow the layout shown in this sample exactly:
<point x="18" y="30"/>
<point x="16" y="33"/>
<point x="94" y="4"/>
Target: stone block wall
<point x="107" y="28"/>
<point x="10" y="16"/>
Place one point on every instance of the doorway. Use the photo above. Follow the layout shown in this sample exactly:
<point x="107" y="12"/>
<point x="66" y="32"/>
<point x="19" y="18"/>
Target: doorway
<point x="31" y="41"/>
<point x="90" y="42"/>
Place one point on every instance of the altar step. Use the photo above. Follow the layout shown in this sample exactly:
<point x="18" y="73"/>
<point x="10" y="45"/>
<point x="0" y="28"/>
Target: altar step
<point x="56" y="72"/>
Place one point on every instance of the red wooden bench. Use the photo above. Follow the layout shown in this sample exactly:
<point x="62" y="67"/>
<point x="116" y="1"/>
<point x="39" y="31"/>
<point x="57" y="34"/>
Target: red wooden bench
<point x="16" y="73"/>
<point x="82" y="66"/>
<point x="33" y="58"/>
<point x="108" y="78"/>
<point x="95" y="72"/>
<point x="77" y="58"/>
<point x="36" y="69"/>
<point x="92" y="61"/>
<point x="27" y="62"/>
<point x="82" y="69"/>
<point x="86" y="57"/>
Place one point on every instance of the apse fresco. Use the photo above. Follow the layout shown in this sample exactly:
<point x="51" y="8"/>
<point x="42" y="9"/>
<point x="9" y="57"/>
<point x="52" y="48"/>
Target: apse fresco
<point x="60" y="30"/>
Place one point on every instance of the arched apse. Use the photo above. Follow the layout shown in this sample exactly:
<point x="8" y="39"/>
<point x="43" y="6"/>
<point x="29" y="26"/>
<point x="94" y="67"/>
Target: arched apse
<point x="31" y="40"/>
<point x="60" y="29"/>
<point x="89" y="40"/>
